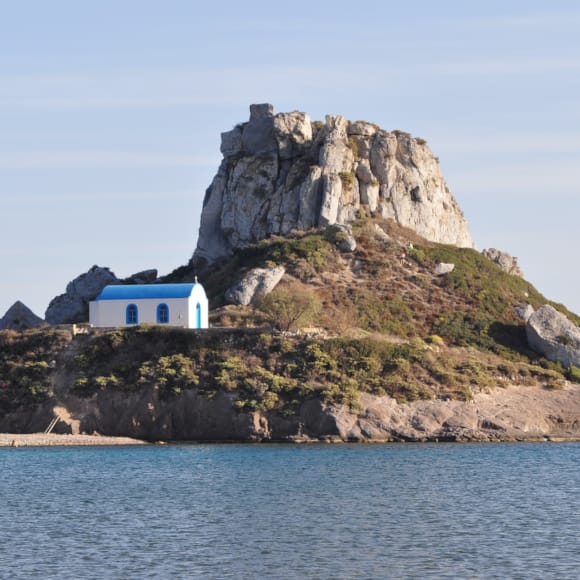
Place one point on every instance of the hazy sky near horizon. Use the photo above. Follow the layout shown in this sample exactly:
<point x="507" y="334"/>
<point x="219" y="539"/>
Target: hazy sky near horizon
<point x="111" y="114"/>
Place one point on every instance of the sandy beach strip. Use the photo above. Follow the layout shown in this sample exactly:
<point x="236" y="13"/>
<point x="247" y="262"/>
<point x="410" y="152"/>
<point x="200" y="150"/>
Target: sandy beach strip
<point x="55" y="440"/>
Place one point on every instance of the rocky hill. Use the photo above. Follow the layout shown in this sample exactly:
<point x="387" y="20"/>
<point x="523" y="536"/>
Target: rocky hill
<point x="347" y="303"/>
<point x="382" y="347"/>
<point x="284" y="172"/>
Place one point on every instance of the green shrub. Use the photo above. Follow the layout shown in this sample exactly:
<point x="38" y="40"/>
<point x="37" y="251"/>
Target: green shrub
<point x="347" y="178"/>
<point x="290" y="307"/>
<point x="352" y="143"/>
<point x="171" y="374"/>
<point x="435" y="340"/>
<point x="573" y="374"/>
<point x="345" y="392"/>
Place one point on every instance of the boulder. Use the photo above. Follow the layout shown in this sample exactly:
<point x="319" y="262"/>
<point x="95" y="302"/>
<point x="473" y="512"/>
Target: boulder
<point x="442" y="268"/>
<point x="20" y="317"/>
<point x="281" y="172"/>
<point x="506" y="262"/>
<point x="554" y="336"/>
<point x="73" y="305"/>
<point x="256" y="283"/>
<point x="293" y="133"/>
<point x="524" y="312"/>
<point x="341" y="236"/>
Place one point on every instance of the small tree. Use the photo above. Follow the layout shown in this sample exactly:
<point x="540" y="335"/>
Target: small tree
<point x="290" y="307"/>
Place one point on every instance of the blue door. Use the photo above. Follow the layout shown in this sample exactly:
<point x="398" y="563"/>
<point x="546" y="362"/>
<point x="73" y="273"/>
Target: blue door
<point x="198" y="316"/>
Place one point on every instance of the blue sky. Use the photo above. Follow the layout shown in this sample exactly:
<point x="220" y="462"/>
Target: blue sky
<point x="111" y="113"/>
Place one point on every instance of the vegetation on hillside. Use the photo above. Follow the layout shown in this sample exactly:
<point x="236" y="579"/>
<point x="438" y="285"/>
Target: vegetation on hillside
<point x="26" y="362"/>
<point x="384" y="323"/>
<point x="266" y="371"/>
<point x="388" y="288"/>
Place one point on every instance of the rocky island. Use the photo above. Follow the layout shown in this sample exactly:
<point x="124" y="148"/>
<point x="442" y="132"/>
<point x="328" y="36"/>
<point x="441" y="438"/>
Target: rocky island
<point x="348" y="303"/>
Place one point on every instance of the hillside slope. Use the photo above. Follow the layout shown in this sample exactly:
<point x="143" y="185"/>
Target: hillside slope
<point x="393" y="352"/>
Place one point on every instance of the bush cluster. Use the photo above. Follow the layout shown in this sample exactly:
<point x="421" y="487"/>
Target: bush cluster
<point x="26" y="362"/>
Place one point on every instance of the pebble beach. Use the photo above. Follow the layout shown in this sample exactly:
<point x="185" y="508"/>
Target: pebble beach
<point x="53" y="440"/>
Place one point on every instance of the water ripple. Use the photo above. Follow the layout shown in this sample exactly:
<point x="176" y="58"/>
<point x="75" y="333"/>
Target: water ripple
<point x="275" y="511"/>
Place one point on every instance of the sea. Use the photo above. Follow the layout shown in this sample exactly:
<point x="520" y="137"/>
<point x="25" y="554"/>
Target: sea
<point x="507" y="510"/>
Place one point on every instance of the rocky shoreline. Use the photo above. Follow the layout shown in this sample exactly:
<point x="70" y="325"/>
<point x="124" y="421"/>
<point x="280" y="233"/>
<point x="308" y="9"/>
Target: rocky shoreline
<point x="514" y="413"/>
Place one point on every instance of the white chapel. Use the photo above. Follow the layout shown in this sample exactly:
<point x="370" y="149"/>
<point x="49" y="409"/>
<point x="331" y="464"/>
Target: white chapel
<point x="184" y="305"/>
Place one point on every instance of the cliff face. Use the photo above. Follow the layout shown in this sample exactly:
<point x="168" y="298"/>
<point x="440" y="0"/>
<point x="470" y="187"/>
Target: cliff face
<point x="516" y="413"/>
<point x="283" y="172"/>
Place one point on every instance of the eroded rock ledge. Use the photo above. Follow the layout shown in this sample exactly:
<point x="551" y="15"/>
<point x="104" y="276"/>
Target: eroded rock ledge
<point x="511" y="414"/>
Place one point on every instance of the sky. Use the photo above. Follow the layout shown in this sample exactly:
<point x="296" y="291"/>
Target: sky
<point x="111" y="113"/>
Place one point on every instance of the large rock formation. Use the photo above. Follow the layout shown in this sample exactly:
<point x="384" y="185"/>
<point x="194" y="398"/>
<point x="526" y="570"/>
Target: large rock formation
<point x="20" y="317"/>
<point x="73" y="305"/>
<point x="551" y="334"/>
<point x="506" y="262"/>
<point x="283" y="172"/>
<point x="256" y="283"/>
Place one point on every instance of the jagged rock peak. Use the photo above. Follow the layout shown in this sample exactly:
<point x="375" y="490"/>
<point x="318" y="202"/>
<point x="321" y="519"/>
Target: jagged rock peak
<point x="20" y="317"/>
<point x="282" y="172"/>
<point x="256" y="284"/>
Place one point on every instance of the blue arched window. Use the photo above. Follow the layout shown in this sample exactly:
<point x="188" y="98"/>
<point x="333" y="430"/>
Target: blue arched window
<point x="198" y="316"/>
<point x="162" y="314"/>
<point x="132" y="314"/>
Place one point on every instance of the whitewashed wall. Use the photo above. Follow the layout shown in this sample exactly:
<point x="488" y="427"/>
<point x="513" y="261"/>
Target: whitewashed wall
<point x="113" y="313"/>
<point x="198" y="296"/>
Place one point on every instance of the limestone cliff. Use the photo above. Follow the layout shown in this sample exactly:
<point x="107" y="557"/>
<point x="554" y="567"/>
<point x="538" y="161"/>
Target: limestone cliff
<point x="283" y="172"/>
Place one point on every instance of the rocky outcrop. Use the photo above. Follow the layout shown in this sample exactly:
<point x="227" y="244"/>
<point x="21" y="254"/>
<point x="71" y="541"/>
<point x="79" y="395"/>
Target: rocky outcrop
<point x="552" y="335"/>
<point x="524" y="311"/>
<point x="513" y="413"/>
<point x="341" y="236"/>
<point x="506" y="262"/>
<point x="283" y="172"/>
<point x="73" y="305"/>
<point x="20" y="317"/>
<point x="443" y="268"/>
<point x="256" y="283"/>
<point x="144" y="277"/>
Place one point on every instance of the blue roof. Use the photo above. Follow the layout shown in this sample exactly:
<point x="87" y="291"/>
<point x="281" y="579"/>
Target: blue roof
<point x="145" y="291"/>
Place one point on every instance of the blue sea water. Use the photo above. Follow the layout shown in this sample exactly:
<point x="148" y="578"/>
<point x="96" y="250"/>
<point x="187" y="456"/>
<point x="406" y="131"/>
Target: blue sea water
<point x="285" y="511"/>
